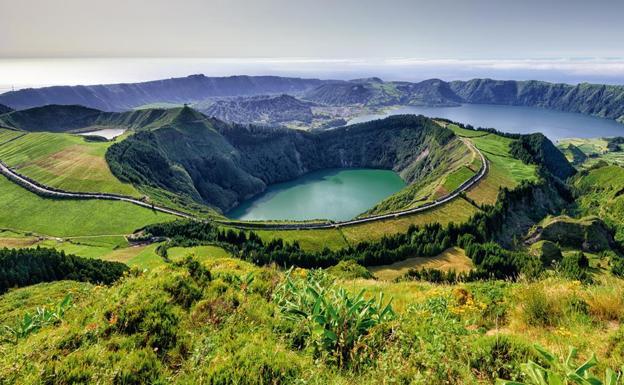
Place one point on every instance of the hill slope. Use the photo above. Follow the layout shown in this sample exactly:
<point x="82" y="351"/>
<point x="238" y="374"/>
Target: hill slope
<point x="74" y="118"/>
<point x="261" y="109"/>
<point x="221" y="164"/>
<point x="4" y="109"/>
<point x="119" y="97"/>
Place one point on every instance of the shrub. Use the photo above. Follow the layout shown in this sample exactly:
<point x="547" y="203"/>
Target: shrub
<point x="253" y="363"/>
<point x="617" y="267"/>
<point x="561" y="372"/>
<point x="537" y="308"/>
<point x="76" y="368"/>
<point x="574" y="266"/>
<point x="139" y="367"/>
<point x="153" y="318"/>
<point x="335" y="320"/>
<point x="183" y="291"/>
<point x="499" y="357"/>
<point x="349" y="269"/>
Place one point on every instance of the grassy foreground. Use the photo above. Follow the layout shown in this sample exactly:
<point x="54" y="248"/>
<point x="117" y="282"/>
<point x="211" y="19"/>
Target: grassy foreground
<point x="177" y="325"/>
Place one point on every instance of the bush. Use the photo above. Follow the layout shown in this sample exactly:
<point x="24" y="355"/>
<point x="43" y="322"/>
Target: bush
<point x="183" y="291"/>
<point x="139" y="367"/>
<point x="253" y="363"/>
<point x="335" y="321"/>
<point x="349" y="269"/>
<point x="153" y="319"/>
<point x="574" y="266"/>
<point x="538" y="309"/>
<point x="617" y="267"/>
<point x="499" y="357"/>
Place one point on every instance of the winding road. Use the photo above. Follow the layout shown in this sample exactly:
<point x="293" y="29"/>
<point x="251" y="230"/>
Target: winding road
<point x="50" y="192"/>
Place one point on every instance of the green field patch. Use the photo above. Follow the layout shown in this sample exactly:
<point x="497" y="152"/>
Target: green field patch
<point x="146" y="258"/>
<point x="451" y="259"/>
<point x="200" y="253"/>
<point x="24" y="211"/>
<point x="456" y="211"/>
<point x="64" y="161"/>
<point x="457" y="178"/>
<point x="465" y="132"/>
<point x="311" y="240"/>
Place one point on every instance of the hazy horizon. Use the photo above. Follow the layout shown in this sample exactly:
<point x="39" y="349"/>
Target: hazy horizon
<point x="73" y="42"/>
<point x="25" y="73"/>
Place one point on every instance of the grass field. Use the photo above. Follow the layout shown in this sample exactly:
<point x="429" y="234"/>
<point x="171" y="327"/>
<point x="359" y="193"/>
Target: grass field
<point x="200" y="253"/>
<point x="457" y="177"/>
<point x="457" y="211"/>
<point x="25" y="211"/>
<point x="8" y="135"/>
<point x="63" y="161"/>
<point x="595" y="148"/>
<point x="451" y="259"/>
<point x="505" y="171"/>
<point x="312" y="240"/>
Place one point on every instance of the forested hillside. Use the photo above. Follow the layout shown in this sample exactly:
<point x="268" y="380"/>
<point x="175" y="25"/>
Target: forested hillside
<point x="221" y="164"/>
<point x="4" y="109"/>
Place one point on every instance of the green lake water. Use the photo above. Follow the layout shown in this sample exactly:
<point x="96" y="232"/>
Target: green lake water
<point x="338" y="194"/>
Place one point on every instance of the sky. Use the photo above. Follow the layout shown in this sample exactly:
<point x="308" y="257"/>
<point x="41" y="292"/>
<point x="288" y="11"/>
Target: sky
<point x="84" y="42"/>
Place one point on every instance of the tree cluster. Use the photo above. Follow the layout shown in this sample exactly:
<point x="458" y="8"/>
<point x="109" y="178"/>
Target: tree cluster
<point x="23" y="267"/>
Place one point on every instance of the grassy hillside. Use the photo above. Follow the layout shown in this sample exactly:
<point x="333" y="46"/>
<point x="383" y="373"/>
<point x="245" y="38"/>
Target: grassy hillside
<point x="174" y="325"/>
<point x="454" y="259"/>
<point x="598" y="192"/>
<point x="64" y="161"/>
<point x="23" y="210"/>
<point x="449" y="167"/>
<point x="585" y="153"/>
<point x="505" y="170"/>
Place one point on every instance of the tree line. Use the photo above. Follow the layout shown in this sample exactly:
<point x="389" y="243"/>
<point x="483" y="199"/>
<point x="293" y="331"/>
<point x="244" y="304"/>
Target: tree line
<point x="23" y="267"/>
<point x="476" y="236"/>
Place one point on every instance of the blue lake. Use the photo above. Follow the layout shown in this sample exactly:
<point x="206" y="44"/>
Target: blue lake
<point x="339" y="194"/>
<point x="554" y="124"/>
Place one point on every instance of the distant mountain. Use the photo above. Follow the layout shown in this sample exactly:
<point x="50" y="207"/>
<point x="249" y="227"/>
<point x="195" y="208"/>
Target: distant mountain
<point x="4" y="109"/>
<point x="261" y="109"/>
<point x="361" y="91"/>
<point x="121" y="97"/>
<point x="605" y="101"/>
<point x="61" y="118"/>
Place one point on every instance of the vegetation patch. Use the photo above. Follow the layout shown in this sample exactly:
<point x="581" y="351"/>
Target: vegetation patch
<point x="23" y="210"/>
<point x="64" y="161"/>
<point x="454" y="259"/>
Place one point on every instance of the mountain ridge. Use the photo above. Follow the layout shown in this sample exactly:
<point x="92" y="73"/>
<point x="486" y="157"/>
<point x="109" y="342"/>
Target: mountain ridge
<point x="125" y="96"/>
